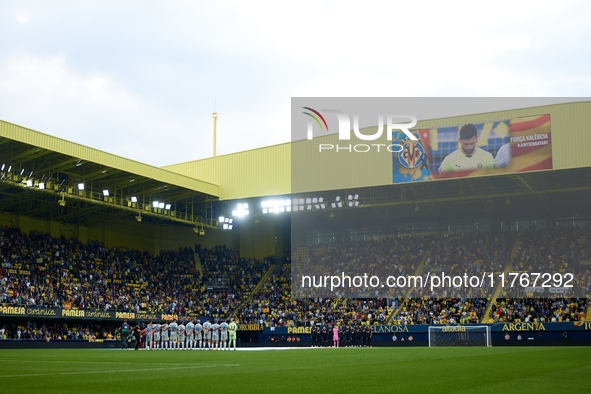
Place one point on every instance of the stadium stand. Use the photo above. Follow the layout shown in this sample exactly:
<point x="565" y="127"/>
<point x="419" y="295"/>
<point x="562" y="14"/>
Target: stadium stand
<point x="58" y="331"/>
<point x="451" y="253"/>
<point x="67" y="274"/>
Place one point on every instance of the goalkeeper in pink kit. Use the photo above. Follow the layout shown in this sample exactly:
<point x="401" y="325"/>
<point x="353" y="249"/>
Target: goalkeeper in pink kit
<point x="335" y="336"/>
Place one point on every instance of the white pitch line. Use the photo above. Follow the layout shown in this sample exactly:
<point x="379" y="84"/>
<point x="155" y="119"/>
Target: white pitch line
<point x="118" y="370"/>
<point x="84" y="362"/>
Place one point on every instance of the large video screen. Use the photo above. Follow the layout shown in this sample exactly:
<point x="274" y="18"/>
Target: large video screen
<point x="474" y="149"/>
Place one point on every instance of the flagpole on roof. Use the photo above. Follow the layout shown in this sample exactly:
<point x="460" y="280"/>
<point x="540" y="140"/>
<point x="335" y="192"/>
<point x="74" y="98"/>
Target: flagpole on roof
<point x="215" y="118"/>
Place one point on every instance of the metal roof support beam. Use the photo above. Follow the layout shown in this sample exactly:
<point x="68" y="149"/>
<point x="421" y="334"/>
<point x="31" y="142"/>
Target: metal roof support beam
<point x="522" y="183"/>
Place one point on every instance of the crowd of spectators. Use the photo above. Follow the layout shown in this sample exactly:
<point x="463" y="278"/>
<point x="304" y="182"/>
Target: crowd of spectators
<point x="538" y="310"/>
<point x="441" y="311"/>
<point x="38" y="270"/>
<point x="381" y="258"/>
<point x="273" y="305"/>
<point x="50" y="330"/>
<point x="555" y="254"/>
<point x="55" y="272"/>
<point x="229" y="277"/>
<point x="454" y="254"/>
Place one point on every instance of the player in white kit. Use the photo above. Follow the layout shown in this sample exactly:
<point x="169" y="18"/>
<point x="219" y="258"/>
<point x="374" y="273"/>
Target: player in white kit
<point x="224" y="335"/>
<point x="165" y="335"/>
<point x="149" y="336"/>
<point x="173" y="328"/>
<point x="215" y="334"/>
<point x="207" y="334"/>
<point x="199" y="333"/>
<point x="157" y="328"/>
<point x="190" y="334"/>
<point x="182" y="335"/>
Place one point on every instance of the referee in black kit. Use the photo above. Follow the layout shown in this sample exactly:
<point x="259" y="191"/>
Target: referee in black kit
<point x="137" y="332"/>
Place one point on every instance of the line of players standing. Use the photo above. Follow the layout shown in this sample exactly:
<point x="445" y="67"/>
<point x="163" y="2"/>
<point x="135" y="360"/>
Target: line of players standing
<point x="343" y="336"/>
<point x="191" y="336"/>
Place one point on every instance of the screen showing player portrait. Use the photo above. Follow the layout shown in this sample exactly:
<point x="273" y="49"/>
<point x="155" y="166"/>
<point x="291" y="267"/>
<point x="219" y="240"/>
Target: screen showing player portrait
<point x="474" y="149"/>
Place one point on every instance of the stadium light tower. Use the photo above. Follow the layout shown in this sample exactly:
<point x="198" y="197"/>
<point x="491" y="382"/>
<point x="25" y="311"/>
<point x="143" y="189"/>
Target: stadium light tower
<point x="215" y="118"/>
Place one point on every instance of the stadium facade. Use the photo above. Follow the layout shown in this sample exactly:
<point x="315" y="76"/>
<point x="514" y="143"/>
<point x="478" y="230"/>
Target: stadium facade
<point x="50" y="185"/>
<point x="201" y="191"/>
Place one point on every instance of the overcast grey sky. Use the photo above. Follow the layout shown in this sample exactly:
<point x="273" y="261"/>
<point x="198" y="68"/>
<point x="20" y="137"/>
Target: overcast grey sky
<point x="140" y="79"/>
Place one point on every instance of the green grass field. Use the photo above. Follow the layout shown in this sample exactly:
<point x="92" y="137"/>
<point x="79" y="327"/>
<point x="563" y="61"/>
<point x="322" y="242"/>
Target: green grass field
<point x="422" y="370"/>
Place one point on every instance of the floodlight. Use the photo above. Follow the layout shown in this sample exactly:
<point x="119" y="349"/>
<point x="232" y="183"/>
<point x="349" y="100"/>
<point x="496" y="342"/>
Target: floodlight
<point x="23" y="170"/>
<point x="276" y="210"/>
<point x="2" y="169"/>
<point x="134" y="199"/>
<point x="167" y="207"/>
<point x="338" y="199"/>
<point x="314" y="200"/>
<point x="322" y="206"/>
<point x="321" y="200"/>
<point x="41" y="185"/>
<point x="221" y="219"/>
<point x="81" y="186"/>
<point x="225" y="226"/>
<point x="265" y="210"/>
<point x="9" y="168"/>
<point x="264" y="204"/>
<point x="356" y="203"/>
<point x="230" y="220"/>
<point x="161" y="205"/>
<point x="356" y="197"/>
<point x="29" y="183"/>
<point x="317" y="206"/>
<point x="227" y="220"/>
<point x="301" y="207"/>
<point x="281" y="209"/>
<point x="288" y="209"/>
<point x="295" y="208"/>
<point x="230" y="227"/>
<point x="294" y="201"/>
<point x="242" y="210"/>
<point x="350" y="203"/>
<point x="301" y="200"/>
<point x="309" y="207"/>
<point x="350" y="197"/>
<point x="334" y="205"/>
<point x="31" y="174"/>
<point x="105" y="193"/>
<point x="340" y="204"/>
<point x="308" y="200"/>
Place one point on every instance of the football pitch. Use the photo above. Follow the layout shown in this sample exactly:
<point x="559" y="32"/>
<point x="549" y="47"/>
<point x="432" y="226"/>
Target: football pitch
<point x="421" y="370"/>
